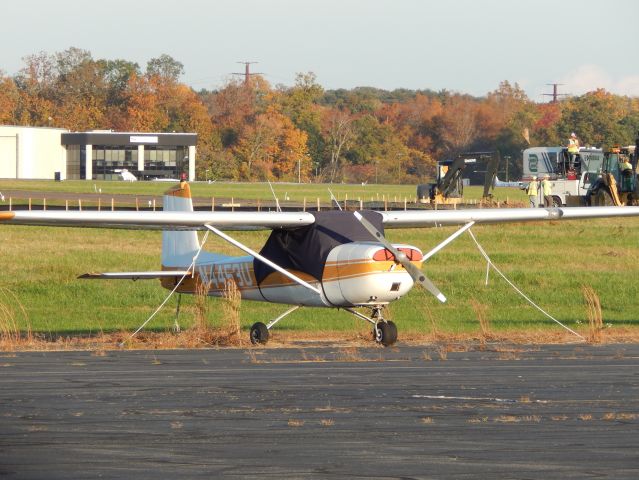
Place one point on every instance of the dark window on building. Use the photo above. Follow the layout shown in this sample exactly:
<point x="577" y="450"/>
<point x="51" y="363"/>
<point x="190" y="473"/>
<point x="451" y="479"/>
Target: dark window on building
<point x="109" y="161"/>
<point x="165" y="162"/>
<point x="75" y="166"/>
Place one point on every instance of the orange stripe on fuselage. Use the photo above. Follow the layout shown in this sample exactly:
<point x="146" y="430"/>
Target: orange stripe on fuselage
<point x="332" y="271"/>
<point x="6" y="215"/>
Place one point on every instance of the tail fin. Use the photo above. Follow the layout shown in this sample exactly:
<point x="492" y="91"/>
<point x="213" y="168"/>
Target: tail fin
<point x="179" y="247"/>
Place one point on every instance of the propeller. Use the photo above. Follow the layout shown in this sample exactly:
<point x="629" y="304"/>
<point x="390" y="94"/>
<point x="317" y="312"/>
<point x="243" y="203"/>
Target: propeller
<point x="401" y="258"/>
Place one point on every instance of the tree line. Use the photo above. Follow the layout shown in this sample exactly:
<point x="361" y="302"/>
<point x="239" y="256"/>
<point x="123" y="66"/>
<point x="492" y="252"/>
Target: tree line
<point x="256" y="131"/>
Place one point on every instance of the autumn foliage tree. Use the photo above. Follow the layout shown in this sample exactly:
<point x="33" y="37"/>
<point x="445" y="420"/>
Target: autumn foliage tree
<point x="253" y="131"/>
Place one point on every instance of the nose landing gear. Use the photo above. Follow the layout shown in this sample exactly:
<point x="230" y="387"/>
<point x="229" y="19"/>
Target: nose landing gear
<point x="384" y="331"/>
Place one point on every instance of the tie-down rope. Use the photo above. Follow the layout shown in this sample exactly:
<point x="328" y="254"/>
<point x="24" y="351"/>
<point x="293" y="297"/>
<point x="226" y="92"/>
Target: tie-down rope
<point x="491" y="264"/>
<point x="189" y="269"/>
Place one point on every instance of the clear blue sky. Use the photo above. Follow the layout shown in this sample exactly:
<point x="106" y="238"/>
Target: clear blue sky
<point x="461" y="45"/>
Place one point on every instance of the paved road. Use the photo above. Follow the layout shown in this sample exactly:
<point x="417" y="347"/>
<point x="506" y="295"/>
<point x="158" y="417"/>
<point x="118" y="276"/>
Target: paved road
<point x="508" y="412"/>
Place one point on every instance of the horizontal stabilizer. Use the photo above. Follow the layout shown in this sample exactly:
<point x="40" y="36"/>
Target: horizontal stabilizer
<point x="136" y="275"/>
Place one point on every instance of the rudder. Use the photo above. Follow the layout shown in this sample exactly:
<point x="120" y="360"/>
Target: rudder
<point x="179" y="247"/>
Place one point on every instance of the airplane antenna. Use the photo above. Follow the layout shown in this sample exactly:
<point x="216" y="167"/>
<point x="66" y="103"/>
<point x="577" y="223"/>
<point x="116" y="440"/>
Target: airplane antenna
<point x="335" y="199"/>
<point x="277" y="201"/>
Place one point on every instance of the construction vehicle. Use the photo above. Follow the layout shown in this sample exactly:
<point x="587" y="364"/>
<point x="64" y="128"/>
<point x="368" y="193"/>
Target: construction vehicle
<point x="570" y="176"/>
<point x="617" y="182"/>
<point x="449" y="186"/>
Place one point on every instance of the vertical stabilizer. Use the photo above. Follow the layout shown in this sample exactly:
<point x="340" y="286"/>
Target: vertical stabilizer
<point x="178" y="247"/>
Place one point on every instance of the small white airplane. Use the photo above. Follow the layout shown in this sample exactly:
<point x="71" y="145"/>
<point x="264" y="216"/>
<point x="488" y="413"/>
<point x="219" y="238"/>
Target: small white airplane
<point x="332" y="259"/>
<point x="126" y="175"/>
<point x="501" y="183"/>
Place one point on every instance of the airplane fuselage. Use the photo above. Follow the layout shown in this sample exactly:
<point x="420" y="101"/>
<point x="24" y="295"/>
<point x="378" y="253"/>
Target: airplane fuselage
<point x="358" y="273"/>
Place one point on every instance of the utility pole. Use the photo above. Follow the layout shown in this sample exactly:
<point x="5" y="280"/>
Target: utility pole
<point x="555" y="93"/>
<point x="247" y="72"/>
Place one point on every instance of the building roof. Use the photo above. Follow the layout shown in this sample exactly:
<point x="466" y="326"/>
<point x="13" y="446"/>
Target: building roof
<point x="129" y="138"/>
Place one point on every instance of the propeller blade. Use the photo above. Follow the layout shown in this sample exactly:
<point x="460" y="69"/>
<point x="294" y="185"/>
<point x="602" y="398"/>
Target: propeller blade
<point x="417" y="275"/>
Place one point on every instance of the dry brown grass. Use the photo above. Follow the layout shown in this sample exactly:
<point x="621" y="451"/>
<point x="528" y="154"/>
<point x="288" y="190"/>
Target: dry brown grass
<point x="517" y="418"/>
<point x="434" y="328"/>
<point x="620" y="416"/>
<point x="327" y="422"/>
<point x="349" y="354"/>
<point x="202" y="333"/>
<point x="443" y="350"/>
<point x="231" y="311"/>
<point x="477" y="420"/>
<point x="595" y="317"/>
<point x="201" y="303"/>
<point x="13" y="321"/>
<point x="481" y="312"/>
<point x="292" y="422"/>
<point x="286" y="339"/>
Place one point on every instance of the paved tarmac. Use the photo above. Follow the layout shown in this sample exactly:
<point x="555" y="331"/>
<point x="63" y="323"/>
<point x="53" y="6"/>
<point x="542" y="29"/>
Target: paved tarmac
<point x="569" y="412"/>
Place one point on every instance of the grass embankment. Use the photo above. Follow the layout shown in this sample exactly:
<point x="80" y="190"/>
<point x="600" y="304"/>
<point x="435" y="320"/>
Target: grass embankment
<point x="550" y="262"/>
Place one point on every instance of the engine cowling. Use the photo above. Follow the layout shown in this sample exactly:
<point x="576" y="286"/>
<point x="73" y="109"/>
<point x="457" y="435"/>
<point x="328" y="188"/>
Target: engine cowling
<point x="365" y="273"/>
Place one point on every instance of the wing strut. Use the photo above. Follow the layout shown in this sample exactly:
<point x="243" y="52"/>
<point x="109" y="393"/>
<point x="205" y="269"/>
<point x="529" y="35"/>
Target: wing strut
<point x="263" y="259"/>
<point x="447" y="241"/>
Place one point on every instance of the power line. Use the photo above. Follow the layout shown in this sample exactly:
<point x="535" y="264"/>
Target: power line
<point x="555" y="93"/>
<point x="247" y="72"/>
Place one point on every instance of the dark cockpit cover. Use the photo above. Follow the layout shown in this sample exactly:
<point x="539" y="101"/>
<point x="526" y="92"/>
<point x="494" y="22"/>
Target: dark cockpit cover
<point x="306" y="248"/>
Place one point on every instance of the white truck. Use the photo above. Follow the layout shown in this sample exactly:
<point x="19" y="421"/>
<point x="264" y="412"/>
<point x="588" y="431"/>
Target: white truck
<point x="570" y="177"/>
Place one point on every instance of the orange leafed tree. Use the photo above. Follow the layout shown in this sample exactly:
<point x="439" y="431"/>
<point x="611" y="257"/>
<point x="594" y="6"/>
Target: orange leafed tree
<point x="9" y="101"/>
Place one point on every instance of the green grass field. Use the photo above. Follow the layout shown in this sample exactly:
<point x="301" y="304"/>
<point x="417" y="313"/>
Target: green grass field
<point x="250" y="191"/>
<point x="550" y="262"/>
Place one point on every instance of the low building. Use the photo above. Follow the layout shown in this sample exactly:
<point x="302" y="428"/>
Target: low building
<point x="146" y="155"/>
<point x="48" y="153"/>
<point x="33" y="153"/>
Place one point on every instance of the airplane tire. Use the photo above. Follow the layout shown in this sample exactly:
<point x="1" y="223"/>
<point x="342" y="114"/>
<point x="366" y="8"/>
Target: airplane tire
<point x="385" y="333"/>
<point x="259" y="334"/>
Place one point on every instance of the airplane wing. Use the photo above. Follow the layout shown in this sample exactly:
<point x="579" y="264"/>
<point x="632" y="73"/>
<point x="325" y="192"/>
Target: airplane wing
<point x="436" y="218"/>
<point x="161" y="220"/>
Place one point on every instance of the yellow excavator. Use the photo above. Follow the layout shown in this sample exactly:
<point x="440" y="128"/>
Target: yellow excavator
<point x="449" y="187"/>
<point x="617" y="183"/>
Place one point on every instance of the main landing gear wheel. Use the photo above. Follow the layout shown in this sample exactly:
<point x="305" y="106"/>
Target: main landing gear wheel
<point x="385" y="333"/>
<point x="259" y="333"/>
